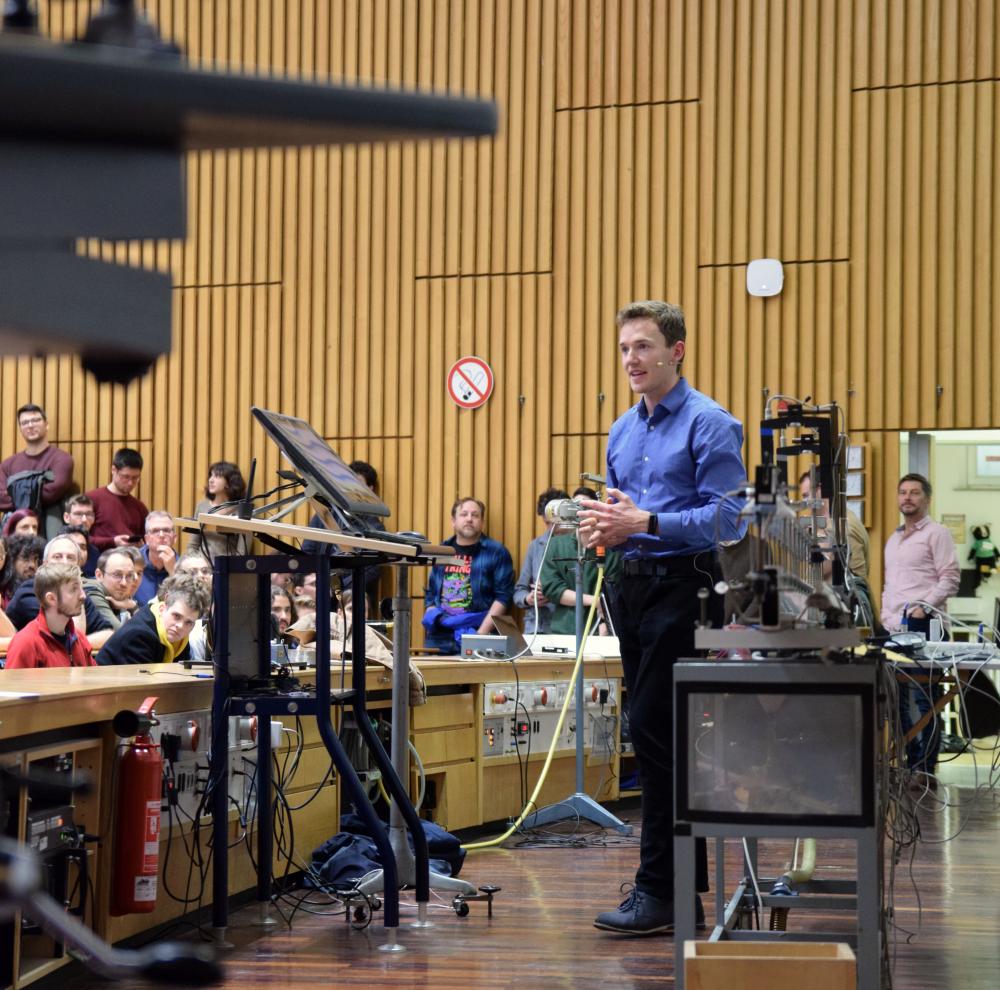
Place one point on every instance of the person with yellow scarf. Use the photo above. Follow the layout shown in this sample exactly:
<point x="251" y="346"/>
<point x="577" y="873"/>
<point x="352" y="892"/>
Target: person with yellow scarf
<point x="159" y="631"/>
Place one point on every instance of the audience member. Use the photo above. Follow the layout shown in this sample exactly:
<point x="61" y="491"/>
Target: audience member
<point x="51" y="638"/>
<point x="463" y="595"/>
<point x="366" y="473"/>
<point x="78" y="510"/>
<point x="158" y="554"/>
<point x="6" y="572"/>
<point x="139" y="562"/>
<point x="527" y="592"/>
<point x="24" y="555"/>
<point x="558" y="580"/>
<point x="195" y="564"/>
<point x="225" y="485"/>
<point x="921" y="573"/>
<point x="857" y="535"/>
<point x="110" y="590"/>
<point x="38" y="456"/>
<point x="79" y="536"/>
<point x="24" y="604"/>
<point x="159" y="631"/>
<point x="119" y="516"/>
<point x="282" y="608"/>
<point x="7" y="628"/>
<point x="7" y="632"/>
<point x="21" y="522"/>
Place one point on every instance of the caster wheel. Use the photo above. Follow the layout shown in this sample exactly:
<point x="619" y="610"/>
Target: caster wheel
<point x="376" y="904"/>
<point x="361" y="916"/>
<point x="461" y="908"/>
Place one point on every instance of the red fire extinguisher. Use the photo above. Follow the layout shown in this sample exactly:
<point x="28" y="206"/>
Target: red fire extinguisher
<point x="137" y="822"/>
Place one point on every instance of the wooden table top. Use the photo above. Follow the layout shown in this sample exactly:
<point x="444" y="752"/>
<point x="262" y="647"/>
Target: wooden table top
<point x="59" y="697"/>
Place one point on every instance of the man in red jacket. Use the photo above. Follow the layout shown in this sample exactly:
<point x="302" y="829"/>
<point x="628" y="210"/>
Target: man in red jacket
<point x="51" y="639"/>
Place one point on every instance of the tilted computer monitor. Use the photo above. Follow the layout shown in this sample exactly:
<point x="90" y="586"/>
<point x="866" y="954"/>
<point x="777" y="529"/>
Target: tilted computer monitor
<point x="315" y="461"/>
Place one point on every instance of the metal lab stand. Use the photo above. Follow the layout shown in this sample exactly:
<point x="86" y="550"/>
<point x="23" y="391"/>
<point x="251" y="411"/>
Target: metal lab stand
<point x="766" y="728"/>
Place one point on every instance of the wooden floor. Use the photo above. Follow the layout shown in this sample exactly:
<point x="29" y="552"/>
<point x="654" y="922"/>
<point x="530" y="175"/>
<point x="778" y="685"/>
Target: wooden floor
<point x="541" y="933"/>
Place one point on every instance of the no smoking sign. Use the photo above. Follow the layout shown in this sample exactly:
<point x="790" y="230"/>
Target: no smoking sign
<point x="470" y="382"/>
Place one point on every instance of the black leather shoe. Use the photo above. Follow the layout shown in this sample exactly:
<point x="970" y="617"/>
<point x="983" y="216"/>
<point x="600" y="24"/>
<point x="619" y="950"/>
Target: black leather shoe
<point x="642" y="914"/>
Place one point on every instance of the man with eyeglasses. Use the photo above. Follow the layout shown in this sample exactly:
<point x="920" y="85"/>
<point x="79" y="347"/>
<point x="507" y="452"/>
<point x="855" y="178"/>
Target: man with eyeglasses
<point x="38" y="455"/>
<point x="158" y="553"/>
<point x="110" y="589"/>
<point x="119" y="517"/>
<point x="78" y="511"/>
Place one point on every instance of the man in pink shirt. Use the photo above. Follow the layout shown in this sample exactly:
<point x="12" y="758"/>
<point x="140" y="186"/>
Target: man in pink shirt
<point x="920" y="567"/>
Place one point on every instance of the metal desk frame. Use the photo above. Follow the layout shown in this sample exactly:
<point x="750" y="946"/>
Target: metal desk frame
<point x="862" y="895"/>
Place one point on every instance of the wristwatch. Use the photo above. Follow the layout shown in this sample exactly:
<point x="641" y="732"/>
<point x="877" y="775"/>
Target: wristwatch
<point x="653" y="526"/>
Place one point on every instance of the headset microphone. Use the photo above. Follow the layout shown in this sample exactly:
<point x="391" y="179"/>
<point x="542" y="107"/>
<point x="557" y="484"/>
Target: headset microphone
<point x="659" y="364"/>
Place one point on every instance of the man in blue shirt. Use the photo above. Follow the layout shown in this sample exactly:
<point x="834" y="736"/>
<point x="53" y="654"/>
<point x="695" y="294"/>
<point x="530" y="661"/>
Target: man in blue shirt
<point x="674" y="461"/>
<point x="465" y="593"/>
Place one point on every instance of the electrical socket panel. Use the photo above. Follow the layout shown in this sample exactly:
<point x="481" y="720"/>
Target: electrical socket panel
<point x="517" y="718"/>
<point x="191" y="769"/>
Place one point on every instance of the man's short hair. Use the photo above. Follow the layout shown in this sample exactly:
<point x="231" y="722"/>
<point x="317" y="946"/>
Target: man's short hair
<point x="51" y="577"/>
<point x="21" y="546"/>
<point x="56" y="539"/>
<point x="366" y="471"/>
<point x="187" y="590"/>
<point x="549" y="495"/>
<point x="459" y="502"/>
<point x="920" y="479"/>
<point x="134" y="554"/>
<point x="78" y="499"/>
<point x="102" y="561"/>
<point x="192" y="556"/>
<point x="127" y="457"/>
<point x="586" y="492"/>
<point x="157" y="514"/>
<point x="31" y="407"/>
<point x="668" y="317"/>
<point x="69" y="528"/>
<point x="236" y="487"/>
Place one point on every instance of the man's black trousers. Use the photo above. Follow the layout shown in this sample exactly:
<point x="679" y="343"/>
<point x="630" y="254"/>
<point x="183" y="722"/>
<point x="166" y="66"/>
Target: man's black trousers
<point x="654" y="616"/>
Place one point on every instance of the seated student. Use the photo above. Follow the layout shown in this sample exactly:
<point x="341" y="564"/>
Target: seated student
<point x="110" y="589"/>
<point x="159" y="631"/>
<point x="476" y="584"/>
<point x="282" y="608"/>
<point x="24" y="556"/>
<point x="51" y="639"/>
<point x="78" y="511"/>
<point x="159" y="555"/>
<point x="195" y="564"/>
<point x="6" y="572"/>
<point x="558" y="581"/>
<point x="527" y="590"/>
<point x="21" y="522"/>
<point x="24" y="605"/>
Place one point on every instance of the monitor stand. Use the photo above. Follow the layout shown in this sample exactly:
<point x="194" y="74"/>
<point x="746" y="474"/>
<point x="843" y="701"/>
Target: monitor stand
<point x="400" y="755"/>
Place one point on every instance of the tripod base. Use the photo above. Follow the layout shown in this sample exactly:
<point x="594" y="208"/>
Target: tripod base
<point x="577" y="806"/>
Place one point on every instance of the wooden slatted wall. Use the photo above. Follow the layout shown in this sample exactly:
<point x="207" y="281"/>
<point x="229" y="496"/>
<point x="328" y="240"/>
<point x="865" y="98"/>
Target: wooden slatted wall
<point x="649" y="148"/>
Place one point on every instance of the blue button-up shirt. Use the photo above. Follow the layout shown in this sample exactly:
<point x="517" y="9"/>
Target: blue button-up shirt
<point x="680" y="462"/>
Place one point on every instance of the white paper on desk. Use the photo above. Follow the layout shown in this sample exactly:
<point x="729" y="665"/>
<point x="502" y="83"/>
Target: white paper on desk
<point x="15" y="695"/>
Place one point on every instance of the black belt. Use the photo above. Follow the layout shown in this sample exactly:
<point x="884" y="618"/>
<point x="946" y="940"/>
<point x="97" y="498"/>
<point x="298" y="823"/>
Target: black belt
<point x="669" y="566"/>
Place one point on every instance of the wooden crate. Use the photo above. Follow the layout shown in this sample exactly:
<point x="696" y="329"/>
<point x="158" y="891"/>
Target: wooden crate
<point x="775" y="965"/>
